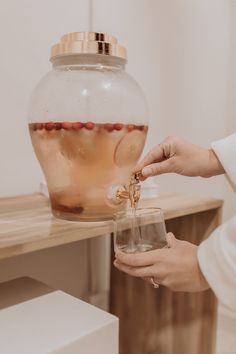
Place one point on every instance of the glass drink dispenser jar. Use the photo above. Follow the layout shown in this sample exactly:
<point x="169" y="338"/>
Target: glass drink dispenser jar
<point x="88" y="125"/>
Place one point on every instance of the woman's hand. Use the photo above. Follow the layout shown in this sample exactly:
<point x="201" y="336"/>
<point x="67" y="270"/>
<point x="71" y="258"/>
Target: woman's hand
<point x="175" y="155"/>
<point x="176" y="267"/>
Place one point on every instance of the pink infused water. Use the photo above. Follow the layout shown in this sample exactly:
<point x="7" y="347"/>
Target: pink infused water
<point x="81" y="161"/>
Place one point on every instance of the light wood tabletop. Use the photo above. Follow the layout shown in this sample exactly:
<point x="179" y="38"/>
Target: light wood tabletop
<point x="27" y="225"/>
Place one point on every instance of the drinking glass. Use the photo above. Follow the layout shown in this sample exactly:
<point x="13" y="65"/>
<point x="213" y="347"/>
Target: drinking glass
<point x="140" y="231"/>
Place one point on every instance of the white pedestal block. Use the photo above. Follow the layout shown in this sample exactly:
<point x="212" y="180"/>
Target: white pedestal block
<point x="53" y="322"/>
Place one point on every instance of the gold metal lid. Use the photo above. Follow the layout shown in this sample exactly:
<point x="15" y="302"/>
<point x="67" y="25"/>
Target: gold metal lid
<point x="88" y="43"/>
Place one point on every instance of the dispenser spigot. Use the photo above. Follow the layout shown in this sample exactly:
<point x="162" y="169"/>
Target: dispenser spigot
<point x="133" y="192"/>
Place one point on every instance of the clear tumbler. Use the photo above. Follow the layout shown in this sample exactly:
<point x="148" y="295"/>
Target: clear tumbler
<point x="141" y="231"/>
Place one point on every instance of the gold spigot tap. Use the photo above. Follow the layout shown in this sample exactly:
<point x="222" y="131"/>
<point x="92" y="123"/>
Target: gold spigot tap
<point x="133" y="192"/>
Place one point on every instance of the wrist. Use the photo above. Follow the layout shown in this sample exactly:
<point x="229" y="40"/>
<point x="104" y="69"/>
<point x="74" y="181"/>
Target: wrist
<point x="215" y="166"/>
<point x="203" y="283"/>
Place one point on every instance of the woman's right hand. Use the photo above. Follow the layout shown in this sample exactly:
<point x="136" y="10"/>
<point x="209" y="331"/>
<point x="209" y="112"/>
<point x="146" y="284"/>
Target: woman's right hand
<point x="176" y="155"/>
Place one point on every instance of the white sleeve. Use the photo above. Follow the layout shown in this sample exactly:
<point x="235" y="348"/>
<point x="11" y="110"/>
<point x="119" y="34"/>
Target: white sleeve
<point x="225" y="150"/>
<point x="217" y="254"/>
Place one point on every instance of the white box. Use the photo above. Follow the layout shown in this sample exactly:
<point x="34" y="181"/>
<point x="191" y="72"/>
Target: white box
<point x="53" y="322"/>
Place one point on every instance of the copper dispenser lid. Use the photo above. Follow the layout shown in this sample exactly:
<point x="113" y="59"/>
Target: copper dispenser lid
<point x="88" y="43"/>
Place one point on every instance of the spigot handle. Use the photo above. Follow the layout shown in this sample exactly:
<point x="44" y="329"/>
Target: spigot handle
<point x="134" y="191"/>
<point x="117" y="194"/>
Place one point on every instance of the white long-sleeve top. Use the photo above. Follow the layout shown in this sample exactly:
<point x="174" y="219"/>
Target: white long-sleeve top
<point x="217" y="258"/>
<point x="217" y="254"/>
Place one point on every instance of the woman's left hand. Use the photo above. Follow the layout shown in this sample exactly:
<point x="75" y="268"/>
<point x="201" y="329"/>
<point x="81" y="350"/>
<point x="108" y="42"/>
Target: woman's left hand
<point x="176" y="267"/>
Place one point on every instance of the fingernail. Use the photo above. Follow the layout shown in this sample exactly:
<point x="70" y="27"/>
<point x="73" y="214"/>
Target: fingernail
<point x="146" y="171"/>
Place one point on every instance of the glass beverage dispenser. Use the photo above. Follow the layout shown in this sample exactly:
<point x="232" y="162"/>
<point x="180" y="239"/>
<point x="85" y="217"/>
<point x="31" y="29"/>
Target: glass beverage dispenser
<point x="88" y="125"/>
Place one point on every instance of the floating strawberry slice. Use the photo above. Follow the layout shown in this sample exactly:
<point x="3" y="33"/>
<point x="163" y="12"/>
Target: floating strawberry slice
<point x="109" y="127"/>
<point x="77" y="125"/>
<point x="131" y="127"/>
<point x="89" y="125"/>
<point x="39" y="126"/>
<point x="141" y="127"/>
<point x="57" y="126"/>
<point x="49" y="126"/>
<point x="129" y="148"/>
<point x="118" y="126"/>
<point x="66" y="125"/>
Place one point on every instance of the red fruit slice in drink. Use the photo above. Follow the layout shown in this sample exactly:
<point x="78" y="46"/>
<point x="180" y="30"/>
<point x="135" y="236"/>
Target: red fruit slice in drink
<point x="57" y="126"/>
<point x="66" y="125"/>
<point x="39" y="126"/>
<point x="89" y="125"/>
<point x="141" y="127"/>
<point x="131" y="127"/>
<point x="77" y="125"/>
<point x="49" y="126"/>
<point x="109" y="127"/>
<point x="129" y="148"/>
<point x="118" y="126"/>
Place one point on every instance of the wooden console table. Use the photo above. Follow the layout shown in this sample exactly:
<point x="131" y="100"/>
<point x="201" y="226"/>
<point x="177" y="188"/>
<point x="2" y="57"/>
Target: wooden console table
<point x="151" y="321"/>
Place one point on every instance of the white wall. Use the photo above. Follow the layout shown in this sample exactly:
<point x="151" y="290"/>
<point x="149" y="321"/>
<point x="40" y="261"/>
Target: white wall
<point x="230" y="206"/>
<point x="28" y="28"/>
<point x="194" y="78"/>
